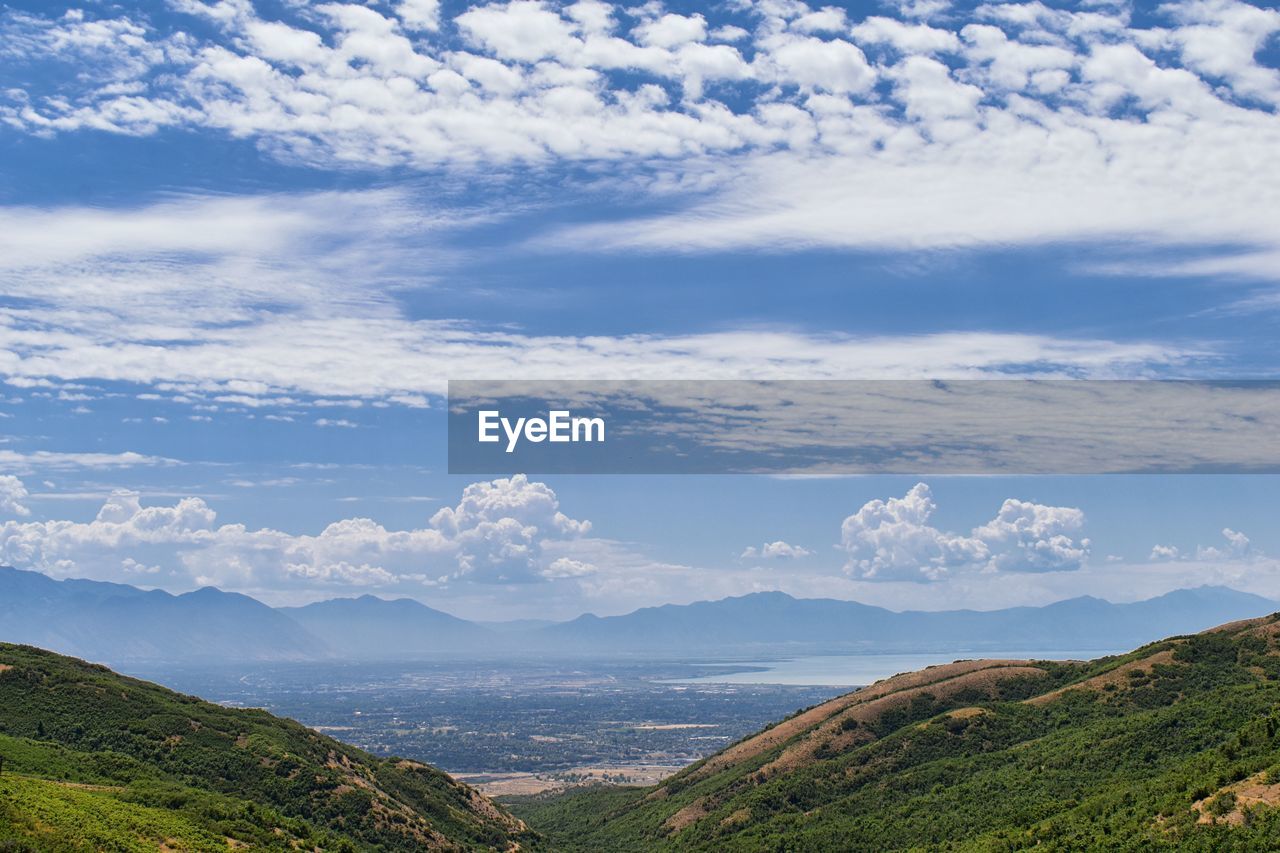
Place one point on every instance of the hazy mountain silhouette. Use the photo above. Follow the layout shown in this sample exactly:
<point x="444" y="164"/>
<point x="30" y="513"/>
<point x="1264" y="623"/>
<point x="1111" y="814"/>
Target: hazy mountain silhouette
<point x="774" y="619"/>
<point x="116" y="622"/>
<point x="368" y="628"/>
<point x="120" y="623"/>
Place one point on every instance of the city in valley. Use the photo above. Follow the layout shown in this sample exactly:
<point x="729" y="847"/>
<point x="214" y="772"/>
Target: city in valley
<point x="513" y="727"/>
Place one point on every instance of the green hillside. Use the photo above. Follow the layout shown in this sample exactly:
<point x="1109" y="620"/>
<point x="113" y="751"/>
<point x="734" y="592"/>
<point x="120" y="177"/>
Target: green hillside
<point x="97" y="761"/>
<point x="1174" y="746"/>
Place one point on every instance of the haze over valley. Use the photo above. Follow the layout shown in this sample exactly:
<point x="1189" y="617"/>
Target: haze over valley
<point x="523" y="707"/>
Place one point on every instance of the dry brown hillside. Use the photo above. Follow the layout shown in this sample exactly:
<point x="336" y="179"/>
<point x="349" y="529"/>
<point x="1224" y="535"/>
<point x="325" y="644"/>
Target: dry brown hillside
<point x="1173" y="746"/>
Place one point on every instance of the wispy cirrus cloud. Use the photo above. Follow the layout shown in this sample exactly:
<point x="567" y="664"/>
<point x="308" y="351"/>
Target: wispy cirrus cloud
<point x="26" y="461"/>
<point x="294" y="300"/>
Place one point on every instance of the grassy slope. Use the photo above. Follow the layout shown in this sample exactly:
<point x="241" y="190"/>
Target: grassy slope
<point x="1176" y="745"/>
<point x="96" y="760"/>
<point x="53" y="816"/>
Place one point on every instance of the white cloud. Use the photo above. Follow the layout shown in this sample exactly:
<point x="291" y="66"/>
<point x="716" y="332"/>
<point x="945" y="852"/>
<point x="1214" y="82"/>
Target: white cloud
<point x="818" y="64"/>
<point x="1007" y="64"/>
<point x="25" y="462"/>
<point x="922" y="9"/>
<point x="1028" y="537"/>
<point x="523" y="30"/>
<point x="671" y="30"/>
<point x="906" y="37"/>
<point x="12" y="494"/>
<point x="131" y="566"/>
<point x="931" y="95"/>
<point x="564" y="567"/>
<point x="1221" y="39"/>
<point x="1237" y="542"/>
<point x="498" y="528"/>
<point x="496" y="534"/>
<point x="1236" y="548"/>
<point x="420" y="14"/>
<point x="1044" y="125"/>
<point x="777" y="550"/>
<point x="828" y="19"/>
<point x="893" y="541"/>
<point x="729" y="33"/>
<point x="108" y="299"/>
<point x="783" y="137"/>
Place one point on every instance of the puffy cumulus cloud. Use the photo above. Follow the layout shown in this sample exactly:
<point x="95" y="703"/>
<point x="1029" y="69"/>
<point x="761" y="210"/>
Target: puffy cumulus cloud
<point x="1028" y="537"/>
<point x="829" y="19"/>
<point x="892" y="540"/>
<point x="496" y="534"/>
<point x="672" y="30"/>
<point x="906" y="37"/>
<point x="1221" y="39"/>
<point x="419" y="14"/>
<point x="815" y="64"/>
<point x="498" y="529"/>
<point x="12" y="494"/>
<point x="1235" y="547"/>
<point x="804" y="123"/>
<point x="777" y="550"/>
<point x="1237" y="543"/>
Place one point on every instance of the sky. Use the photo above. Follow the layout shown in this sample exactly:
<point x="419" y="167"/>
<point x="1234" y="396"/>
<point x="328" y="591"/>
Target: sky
<point x="244" y="246"/>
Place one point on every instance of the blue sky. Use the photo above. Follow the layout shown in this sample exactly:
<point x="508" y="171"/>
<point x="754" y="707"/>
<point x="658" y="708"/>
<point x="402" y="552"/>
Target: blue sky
<point x="245" y="245"/>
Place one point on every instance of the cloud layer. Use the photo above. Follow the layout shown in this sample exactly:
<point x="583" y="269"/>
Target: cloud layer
<point x="505" y="531"/>
<point x="275" y="299"/>
<point x="1007" y="123"/>
<point x="511" y="535"/>
<point x="769" y="125"/>
<point x="496" y="534"/>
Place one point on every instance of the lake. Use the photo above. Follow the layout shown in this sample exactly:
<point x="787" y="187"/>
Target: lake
<point x="863" y="669"/>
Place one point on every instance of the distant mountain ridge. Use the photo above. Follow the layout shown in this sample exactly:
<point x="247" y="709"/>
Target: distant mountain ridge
<point x="373" y="628"/>
<point x="773" y="619"/>
<point x="118" y="623"/>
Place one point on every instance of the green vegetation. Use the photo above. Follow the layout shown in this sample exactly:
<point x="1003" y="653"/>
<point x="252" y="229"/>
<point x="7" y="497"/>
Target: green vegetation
<point x="1174" y="746"/>
<point x="96" y="761"/>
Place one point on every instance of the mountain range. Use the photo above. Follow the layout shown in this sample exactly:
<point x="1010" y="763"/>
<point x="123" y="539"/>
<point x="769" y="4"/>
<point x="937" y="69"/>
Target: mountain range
<point x="118" y="623"/>
<point x="370" y="628"/>
<point x="771" y="620"/>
